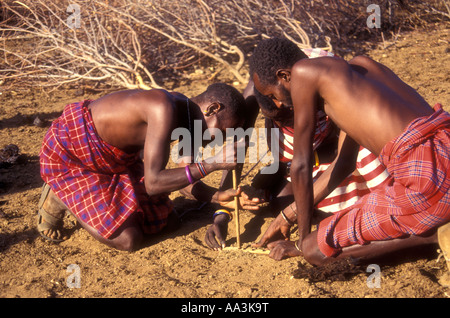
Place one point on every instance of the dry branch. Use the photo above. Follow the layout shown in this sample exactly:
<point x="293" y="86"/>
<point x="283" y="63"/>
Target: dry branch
<point x="99" y="49"/>
<point x="124" y="43"/>
<point x="137" y="43"/>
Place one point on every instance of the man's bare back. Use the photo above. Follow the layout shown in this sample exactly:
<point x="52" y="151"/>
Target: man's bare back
<point x="136" y="120"/>
<point x="121" y="118"/>
<point x="365" y="99"/>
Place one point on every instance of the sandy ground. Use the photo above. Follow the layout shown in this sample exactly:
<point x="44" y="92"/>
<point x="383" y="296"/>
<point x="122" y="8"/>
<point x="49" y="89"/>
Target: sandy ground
<point x="180" y="265"/>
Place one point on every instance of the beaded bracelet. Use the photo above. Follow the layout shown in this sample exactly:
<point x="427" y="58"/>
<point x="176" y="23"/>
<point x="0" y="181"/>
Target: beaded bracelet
<point x="189" y="175"/>
<point x="201" y="169"/>
<point x="292" y="209"/>
<point x="222" y="211"/>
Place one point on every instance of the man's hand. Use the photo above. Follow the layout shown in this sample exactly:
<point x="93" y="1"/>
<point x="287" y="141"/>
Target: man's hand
<point x="226" y="199"/>
<point x="279" y="229"/>
<point x="283" y="249"/>
<point x="217" y="232"/>
<point x="227" y="157"/>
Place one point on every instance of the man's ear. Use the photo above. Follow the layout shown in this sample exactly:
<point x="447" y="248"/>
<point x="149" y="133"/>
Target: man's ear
<point x="284" y="75"/>
<point x="213" y="109"/>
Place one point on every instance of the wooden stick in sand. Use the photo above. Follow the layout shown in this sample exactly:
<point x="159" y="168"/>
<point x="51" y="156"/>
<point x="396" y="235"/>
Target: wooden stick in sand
<point x="236" y="211"/>
<point x="238" y="238"/>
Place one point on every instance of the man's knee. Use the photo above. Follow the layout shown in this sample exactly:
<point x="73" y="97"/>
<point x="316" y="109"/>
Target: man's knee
<point x="129" y="240"/>
<point x="311" y="251"/>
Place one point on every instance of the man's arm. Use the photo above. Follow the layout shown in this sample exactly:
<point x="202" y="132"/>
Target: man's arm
<point x="157" y="149"/>
<point x="160" y="180"/>
<point x="200" y="191"/>
<point x="305" y="97"/>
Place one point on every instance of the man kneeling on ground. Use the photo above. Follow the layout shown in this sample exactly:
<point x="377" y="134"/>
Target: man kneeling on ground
<point x="410" y="139"/>
<point x="91" y="162"/>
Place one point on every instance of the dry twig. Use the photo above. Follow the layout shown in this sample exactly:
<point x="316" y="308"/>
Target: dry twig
<point x="57" y="53"/>
<point x="133" y="44"/>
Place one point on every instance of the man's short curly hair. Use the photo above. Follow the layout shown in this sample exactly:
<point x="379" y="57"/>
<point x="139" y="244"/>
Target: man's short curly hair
<point x="271" y="55"/>
<point x="229" y="97"/>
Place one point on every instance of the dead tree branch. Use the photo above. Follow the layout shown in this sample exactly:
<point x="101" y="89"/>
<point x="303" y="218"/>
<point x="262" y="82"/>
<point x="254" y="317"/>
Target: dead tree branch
<point x="137" y="43"/>
<point x="98" y="49"/>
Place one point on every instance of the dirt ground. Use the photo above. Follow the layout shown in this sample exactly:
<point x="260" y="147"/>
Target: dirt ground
<point x="179" y="265"/>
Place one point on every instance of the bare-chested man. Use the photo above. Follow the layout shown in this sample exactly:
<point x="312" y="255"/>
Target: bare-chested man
<point x="378" y="111"/>
<point x="91" y="162"/>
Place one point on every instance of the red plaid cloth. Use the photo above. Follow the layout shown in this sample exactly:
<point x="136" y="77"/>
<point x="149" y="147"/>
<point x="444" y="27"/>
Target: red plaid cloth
<point x="416" y="199"/>
<point x="99" y="183"/>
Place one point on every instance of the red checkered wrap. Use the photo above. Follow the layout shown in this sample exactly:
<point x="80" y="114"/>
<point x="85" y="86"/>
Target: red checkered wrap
<point x="99" y="183"/>
<point x="416" y="199"/>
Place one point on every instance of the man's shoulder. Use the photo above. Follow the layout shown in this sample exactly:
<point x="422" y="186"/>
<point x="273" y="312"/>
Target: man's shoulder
<point x="153" y="96"/>
<point x="321" y="62"/>
<point x="318" y="70"/>
<point x="151" y="101"/>
<point x="135" y="97"/>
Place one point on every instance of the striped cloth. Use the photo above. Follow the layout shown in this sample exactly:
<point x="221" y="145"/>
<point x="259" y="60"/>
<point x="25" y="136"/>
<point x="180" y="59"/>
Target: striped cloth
<point x="286" y="137"/>
<point x="414" y="201"/>
<point x="368" y="176"/>
<point x="99" y="183"/>
<point x="316" y="52"/>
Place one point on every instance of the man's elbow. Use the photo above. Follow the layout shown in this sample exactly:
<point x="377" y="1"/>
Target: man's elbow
<point x="151" y="187"/>
<point x="299" y="169"/>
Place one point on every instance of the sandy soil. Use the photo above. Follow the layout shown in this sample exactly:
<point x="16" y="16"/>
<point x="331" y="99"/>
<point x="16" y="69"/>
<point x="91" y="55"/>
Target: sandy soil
<point x="179" y="264"/>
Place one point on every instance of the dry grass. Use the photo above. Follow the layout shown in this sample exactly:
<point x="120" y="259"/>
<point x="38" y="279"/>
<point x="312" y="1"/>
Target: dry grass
<point x="137" y="44"/>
